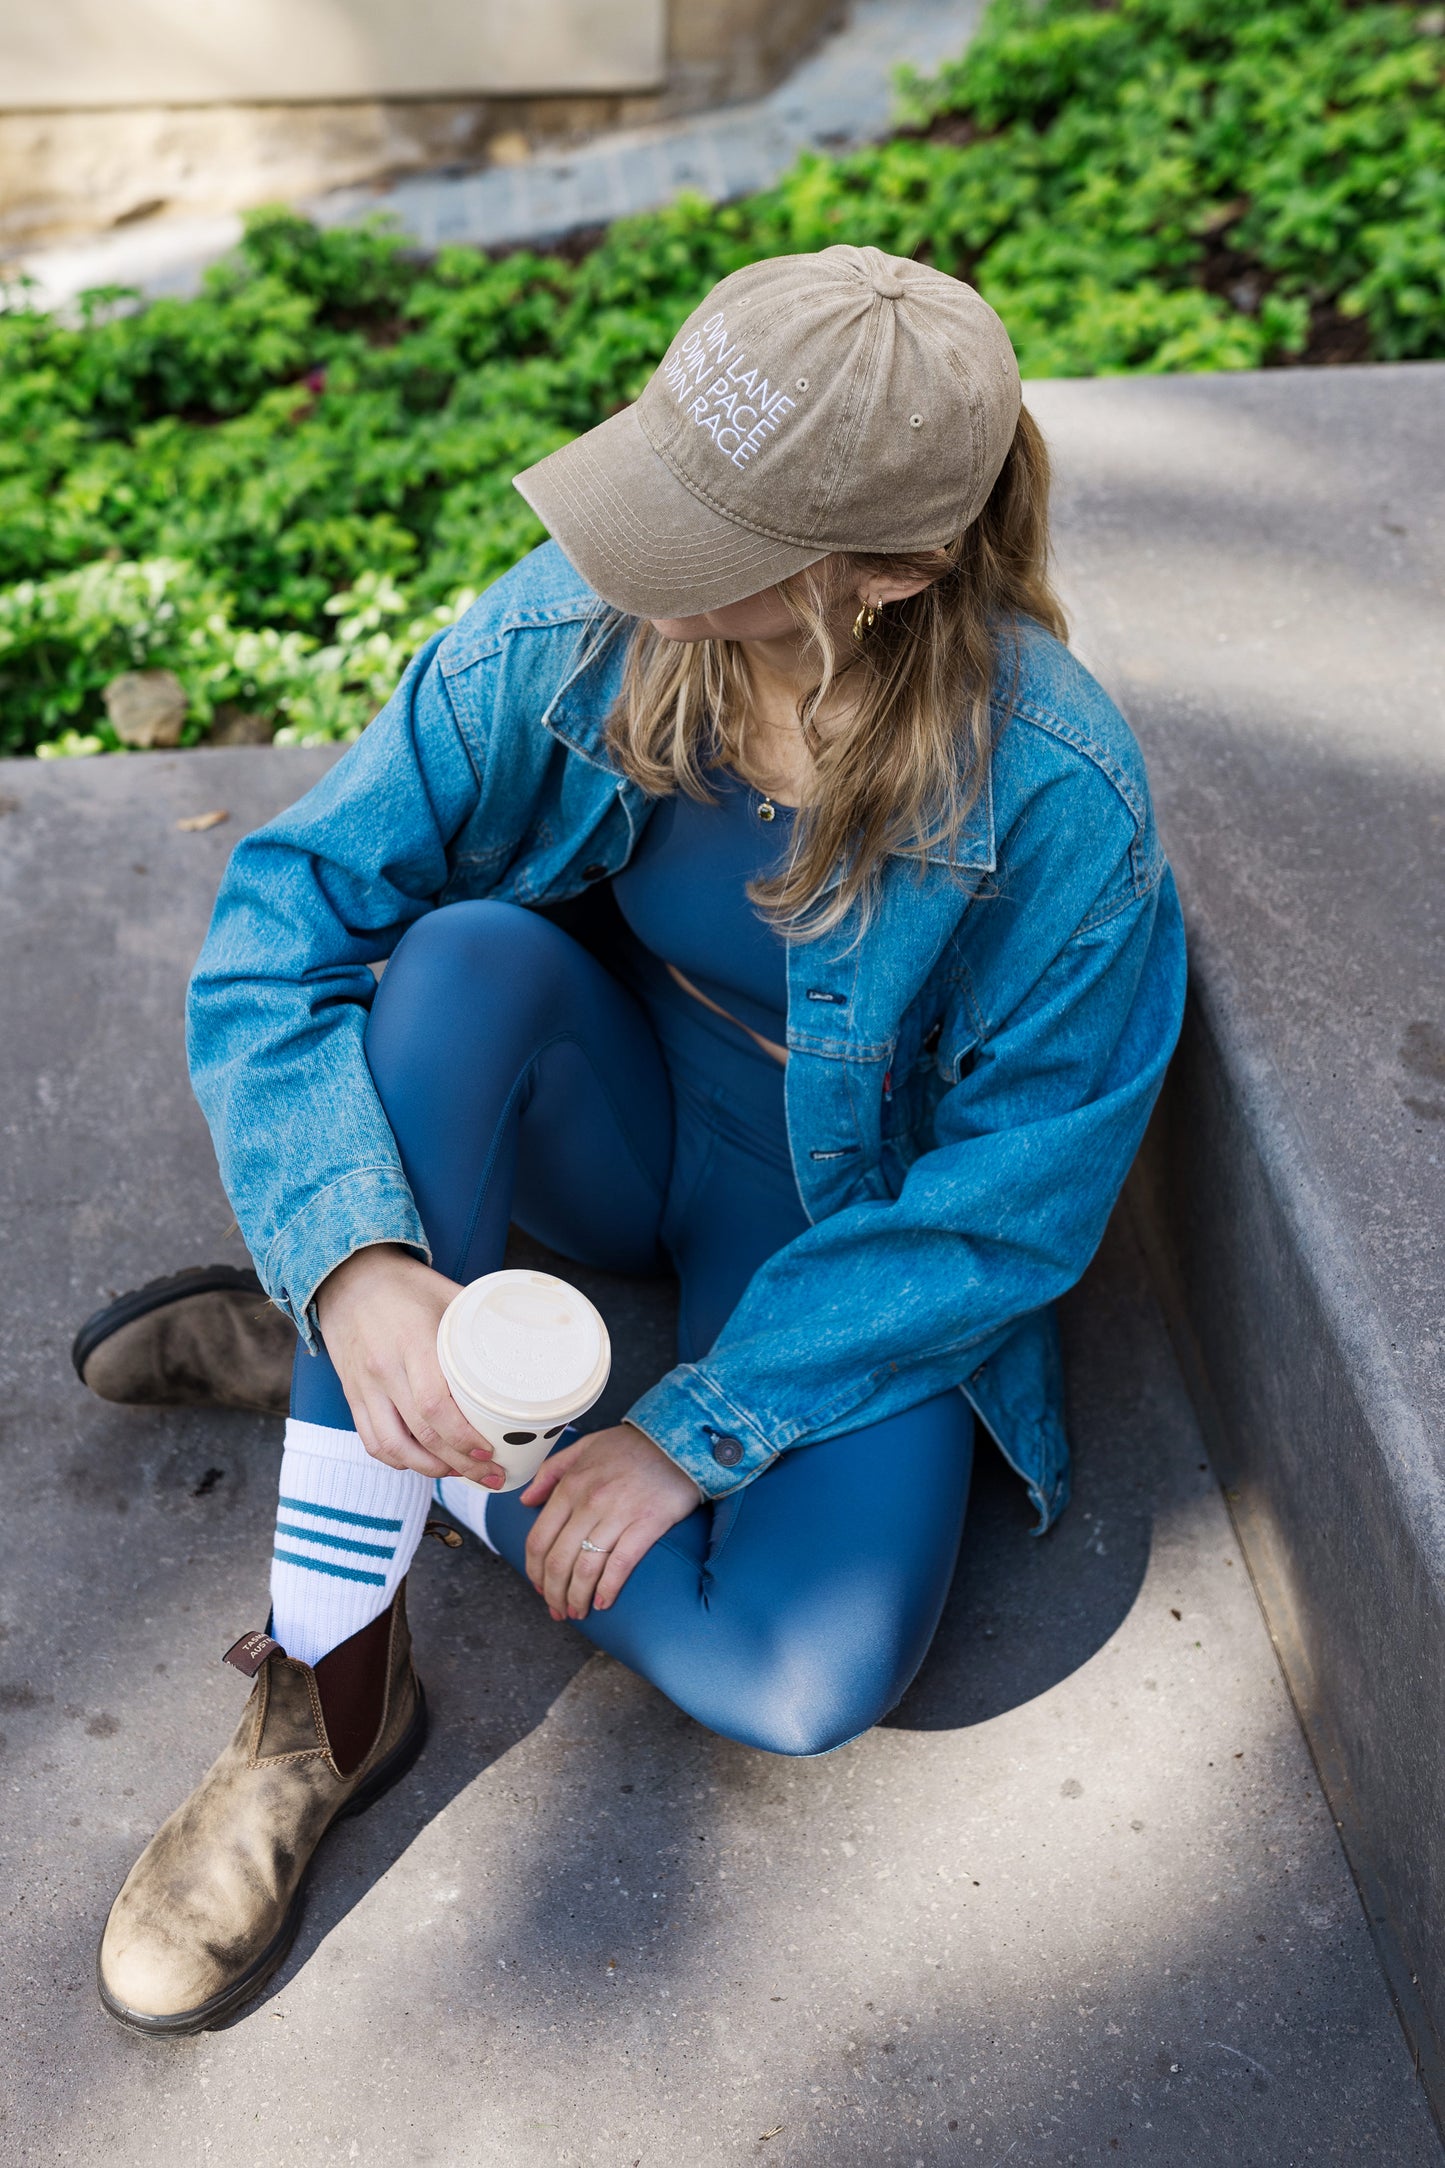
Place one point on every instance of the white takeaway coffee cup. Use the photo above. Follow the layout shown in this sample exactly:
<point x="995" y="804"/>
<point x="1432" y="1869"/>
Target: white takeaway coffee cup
<point x="524" y="1354"/>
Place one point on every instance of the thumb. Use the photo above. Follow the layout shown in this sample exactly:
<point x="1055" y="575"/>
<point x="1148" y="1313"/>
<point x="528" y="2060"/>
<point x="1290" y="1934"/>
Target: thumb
<point x="545" y="1481"/>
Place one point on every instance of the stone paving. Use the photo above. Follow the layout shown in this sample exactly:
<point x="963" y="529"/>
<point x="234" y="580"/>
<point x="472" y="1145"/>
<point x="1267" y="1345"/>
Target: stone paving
<point x="841" y="95"/>
<point x="1079" y="1900"/>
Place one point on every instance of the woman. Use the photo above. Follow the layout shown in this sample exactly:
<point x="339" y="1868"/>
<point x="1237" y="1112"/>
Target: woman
<point x="894" y="971"/>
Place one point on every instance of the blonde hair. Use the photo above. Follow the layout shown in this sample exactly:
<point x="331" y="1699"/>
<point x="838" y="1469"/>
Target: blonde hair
<point x="901" y="772"/>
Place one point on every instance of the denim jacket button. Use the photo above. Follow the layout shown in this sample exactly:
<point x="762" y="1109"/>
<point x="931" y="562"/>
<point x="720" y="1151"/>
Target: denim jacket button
<point x="727" y="1451"/>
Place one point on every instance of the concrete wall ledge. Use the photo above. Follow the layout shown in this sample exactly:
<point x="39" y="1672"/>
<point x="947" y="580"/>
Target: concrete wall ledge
<point x="129" y="125"/>
<point x="1256" y="568"/>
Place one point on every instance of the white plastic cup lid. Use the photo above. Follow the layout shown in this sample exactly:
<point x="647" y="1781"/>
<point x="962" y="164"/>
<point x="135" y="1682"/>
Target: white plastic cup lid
<point x="526" y="1344"/>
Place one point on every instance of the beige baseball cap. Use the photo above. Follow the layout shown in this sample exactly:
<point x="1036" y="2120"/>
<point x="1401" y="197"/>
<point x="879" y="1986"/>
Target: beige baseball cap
<point x="841" y="401"/>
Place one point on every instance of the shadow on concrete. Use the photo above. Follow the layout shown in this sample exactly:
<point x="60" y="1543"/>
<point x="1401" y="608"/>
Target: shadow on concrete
<point x="585" y="1928"/>
<point x="494" y="1665"/>
<point x="490" y="1655"/>
<point x="493" y="1661"/>
<point x="626" y="1931"/>
<point x="1024" y="1613"/>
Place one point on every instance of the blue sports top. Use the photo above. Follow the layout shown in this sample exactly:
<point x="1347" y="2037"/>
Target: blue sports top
<point x="683" y="893"/>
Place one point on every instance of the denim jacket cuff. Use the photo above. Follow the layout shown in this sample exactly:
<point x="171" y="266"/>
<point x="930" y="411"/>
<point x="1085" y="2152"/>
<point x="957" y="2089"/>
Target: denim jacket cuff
<point x="712" y="1441"/>
<point x="371" y="1205"/>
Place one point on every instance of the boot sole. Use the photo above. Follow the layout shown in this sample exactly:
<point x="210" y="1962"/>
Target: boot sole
<point x="230" y="1999"/>
<point x="157" y="1295"/>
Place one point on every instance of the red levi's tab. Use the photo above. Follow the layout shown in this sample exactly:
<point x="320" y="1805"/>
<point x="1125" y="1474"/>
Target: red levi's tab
<point x="251" y="1651"/>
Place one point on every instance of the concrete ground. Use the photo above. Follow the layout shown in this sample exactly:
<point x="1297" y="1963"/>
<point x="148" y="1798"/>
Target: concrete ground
<point x="1079" y="1900"/>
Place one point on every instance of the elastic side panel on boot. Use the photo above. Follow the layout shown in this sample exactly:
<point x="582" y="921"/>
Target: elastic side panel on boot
<point x="352" y="1682"/>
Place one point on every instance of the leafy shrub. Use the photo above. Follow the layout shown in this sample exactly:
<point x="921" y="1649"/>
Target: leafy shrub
<point x="63" y="638"/>
<point x="277" y="488"/>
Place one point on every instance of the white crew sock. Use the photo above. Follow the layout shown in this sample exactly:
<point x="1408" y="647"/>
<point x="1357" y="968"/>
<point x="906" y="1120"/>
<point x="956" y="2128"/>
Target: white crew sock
<point x="347" y="1528"/>
<point x="466" y="1502"/>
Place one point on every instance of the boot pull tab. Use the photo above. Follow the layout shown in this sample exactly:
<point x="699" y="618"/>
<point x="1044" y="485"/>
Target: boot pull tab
<point x="251" y="1651"/>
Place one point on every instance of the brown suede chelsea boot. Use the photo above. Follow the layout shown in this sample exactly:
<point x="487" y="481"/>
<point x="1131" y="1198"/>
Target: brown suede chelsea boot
<point x="212" y="1905"/>
<point x="203" y="1338"/>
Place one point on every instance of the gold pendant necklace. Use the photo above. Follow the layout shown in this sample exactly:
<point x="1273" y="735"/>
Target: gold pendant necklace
<point x="767" y="811"/>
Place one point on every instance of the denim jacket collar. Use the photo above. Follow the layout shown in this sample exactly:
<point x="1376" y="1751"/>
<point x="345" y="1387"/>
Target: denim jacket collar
<point x="578" y="719"/>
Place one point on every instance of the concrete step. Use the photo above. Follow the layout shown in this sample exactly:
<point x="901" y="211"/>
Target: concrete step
<point x="1080" y="1899"/>
<point x="841" y="95"/>
<point x="1257" y="570"/>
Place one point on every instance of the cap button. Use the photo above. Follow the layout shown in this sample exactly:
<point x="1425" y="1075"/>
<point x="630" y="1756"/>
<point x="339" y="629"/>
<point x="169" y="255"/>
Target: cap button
<point x="886" y="284"/>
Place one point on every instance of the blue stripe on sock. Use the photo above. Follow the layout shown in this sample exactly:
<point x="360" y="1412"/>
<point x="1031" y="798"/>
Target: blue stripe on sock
<point x="336" y="1543"/>
<point x="324" y="1565"/>
<point x="334" y="1513"/>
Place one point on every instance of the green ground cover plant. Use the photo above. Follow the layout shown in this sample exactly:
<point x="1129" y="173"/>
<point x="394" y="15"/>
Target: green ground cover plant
<point x="278" y="488"/>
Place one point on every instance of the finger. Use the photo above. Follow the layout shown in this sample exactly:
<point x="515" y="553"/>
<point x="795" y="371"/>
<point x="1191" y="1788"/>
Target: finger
<point x="562" y="1564"/>
<point x="438" y="1425"/>
<point x="545" y="1530"/>
<point x="387" y="1439"/>
<point x="444" y="1427"/>
<point x="632" y="1545"/>
<point x="545" y="1481"/>
<point x="447" y="1462"/>
<point x="586" y="1574"/>
<point x="550" y="1552"/>
<point x="564" y="1521"/>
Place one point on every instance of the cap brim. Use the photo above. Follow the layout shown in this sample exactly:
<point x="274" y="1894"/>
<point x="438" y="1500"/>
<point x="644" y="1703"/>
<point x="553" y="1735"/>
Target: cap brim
<point x="639" y="539"/>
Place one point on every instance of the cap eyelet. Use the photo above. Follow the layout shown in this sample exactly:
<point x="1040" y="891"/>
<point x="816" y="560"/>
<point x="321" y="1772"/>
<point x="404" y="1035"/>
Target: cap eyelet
<point x="802" y="383"/>
<point x="915" y="421"/>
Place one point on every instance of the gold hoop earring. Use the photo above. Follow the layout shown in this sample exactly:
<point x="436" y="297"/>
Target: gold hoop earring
<point x="864" y="622"/>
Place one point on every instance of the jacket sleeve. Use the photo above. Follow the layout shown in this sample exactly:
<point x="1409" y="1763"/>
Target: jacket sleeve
<point x="886" y="1303"/>
<point x="278" y="1002"/>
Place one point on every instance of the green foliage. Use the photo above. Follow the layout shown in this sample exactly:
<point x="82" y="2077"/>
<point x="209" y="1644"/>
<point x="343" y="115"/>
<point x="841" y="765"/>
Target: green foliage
<point x="1285" y="163"/>
<point x="61" y="639"/>
<point x="278" y="488"/>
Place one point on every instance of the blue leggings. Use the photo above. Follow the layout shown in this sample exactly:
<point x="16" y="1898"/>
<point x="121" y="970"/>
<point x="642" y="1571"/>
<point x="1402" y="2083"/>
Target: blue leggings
<point x="629" y="1130"/>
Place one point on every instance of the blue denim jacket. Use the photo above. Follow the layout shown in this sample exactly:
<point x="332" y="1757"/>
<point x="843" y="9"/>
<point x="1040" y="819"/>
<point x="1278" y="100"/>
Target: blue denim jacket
<point x="965" y="1088"/>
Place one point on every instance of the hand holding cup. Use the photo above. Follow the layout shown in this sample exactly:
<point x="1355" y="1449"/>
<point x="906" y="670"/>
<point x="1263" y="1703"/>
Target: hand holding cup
<point x="524" y="1354"/>
<point x="379" y="1312"/>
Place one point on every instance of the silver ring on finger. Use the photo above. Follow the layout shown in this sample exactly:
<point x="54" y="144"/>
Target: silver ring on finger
<point x="600" y="1548"/>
